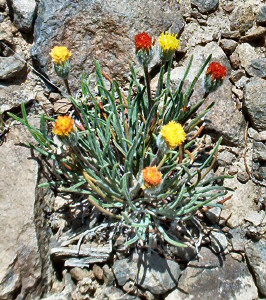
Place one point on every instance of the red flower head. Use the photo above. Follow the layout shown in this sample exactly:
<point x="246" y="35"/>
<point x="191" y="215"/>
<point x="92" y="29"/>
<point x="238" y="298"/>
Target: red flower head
<point x="216" y="70"/>
<point x="143" y="41"/>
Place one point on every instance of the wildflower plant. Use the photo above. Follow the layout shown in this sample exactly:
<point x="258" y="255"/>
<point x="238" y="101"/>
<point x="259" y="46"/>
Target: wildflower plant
<point x="135" y="155"/>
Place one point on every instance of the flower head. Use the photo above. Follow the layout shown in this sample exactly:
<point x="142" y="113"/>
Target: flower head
<point x="173" y="134"/>
<point x="143" y="41"/>
<point x="168" y="41"/>
<point x="63" y="126"/>
<point x="214" y="78"/>
<point x="216" y="70"/>
<point x="60" y="54"/>
<point x="151" y="176"/>
<point x="168" y="45"/>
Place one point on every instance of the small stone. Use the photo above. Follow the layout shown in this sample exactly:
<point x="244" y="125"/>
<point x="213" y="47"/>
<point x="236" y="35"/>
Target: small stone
<point x="62" y="106"/>
<point x="54" y="97"/>
<point x="10" y="67"/>
<point x="252" y="132"/>
<point x="261" y="16"/>
<point x="235" y="60"/>
<point x="130" y="287"/>
<point x="242" y="19"/>
<point x="256" y="256"/>
<point x="256" y="34"/>
<point x="254" y="104"/>
<point x="256" y="218"/>
<point x="240" y="84"/>
<point x="184" y="254"/>
<point x="237" y="239"/>
<point x="45" y="103"/>
<point x="79" y="274"/>
<point x="228" y="7"/>
<point x="205" y="6"/>
<point x="228" y="46"/>
<point x="98" y="272"/>
<point x="260" y="136"/>
<point x="24" y="14"/>
<point x="235" y="35"/>
<point x="236" y="75"/>
<point x="232" y="170"/>
<point x="239" y="93"/>
<point x="225" y="158"/>
<point x="218" y="241"/>
<point x="213" y="214"/>
<point x="257" y="67"/>
<point x="259" y="160"/>
<point x="242" y="176"/>
<point x="108" y="275"/>
<point x="246" y="53"/>
<point x="237" y="256"/>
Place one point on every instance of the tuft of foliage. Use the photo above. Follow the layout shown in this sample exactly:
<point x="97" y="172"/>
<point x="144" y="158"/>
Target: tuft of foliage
<point x="116" y="138"/>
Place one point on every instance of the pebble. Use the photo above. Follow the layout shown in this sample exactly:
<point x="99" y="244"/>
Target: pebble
<point x="228" y="46"/>
<point x="256" y="34"/>
<point x="10" y="67"/>
<point x="235" y="60"/>
<point x="204" y="6"/>
<point x="79" y="274"/>
<point x="236" y="75"/>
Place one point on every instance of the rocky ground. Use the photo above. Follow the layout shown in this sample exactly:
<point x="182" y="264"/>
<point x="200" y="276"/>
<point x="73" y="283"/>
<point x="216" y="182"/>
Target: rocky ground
<point x="48" y="248"/>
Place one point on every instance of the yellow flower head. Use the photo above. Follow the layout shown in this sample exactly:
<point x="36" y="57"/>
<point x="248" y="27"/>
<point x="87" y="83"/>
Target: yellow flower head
<point x="151" y="176"/>
<point x="173" y="134"/>
<point x="168" y="42"/>
<point x="60" y="54"/>
<point x="63" y="126"/>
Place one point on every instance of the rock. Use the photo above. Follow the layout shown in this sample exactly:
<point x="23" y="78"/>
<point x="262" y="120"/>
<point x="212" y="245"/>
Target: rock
<point x="236" y="75"/>
<point x="260" y="136"/>
<point x="246" y="53"/>
<point x="102" y="30"/>
<point x="228" y="6"/>
<point x="235" y="35"/>
<point x="257" y="67"/>
<point x="153" y="273"/>
<point x="256" y="256"/>
<point x="205" y="6"/>
<point x="62" y="106"/>
<point x="259" y="160"/>
<point x="213" y="214"/>
<point x="228" y="279"/>
<point x="184" y="254"/>
<point x="238" y="240"/>
<point x="79" y="274"/>
<point x="261" y="16"/>
<point x="218" y="241"/>
<point x="10" y="67"/>
<point x="108" y="275"/>
<point x="238" y="92"/>
<point x="242" y="19"/>
<point x="113" y="293"/>
<point x="24" y="14"/>
<point x="256" y="34"/>
<point x="242" y="176"/>
<point x="254" y="104"/>
<point x="225" y="158"/>
<point x="224" y="119"/>
<point x="235" y="60"/>
<point x="54" y="97"/>
<point x="98" y="272"/>
<point x="228" y="45"/>
<point x="242" y="201"/>
<point x="21" y="265"/>
<point x="255" y="218"/>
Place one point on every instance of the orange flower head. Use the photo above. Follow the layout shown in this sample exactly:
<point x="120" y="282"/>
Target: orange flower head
<point x="143" y="41"/>
<point x="151" y="176"/>
<point x="63" y="126"/>
<point x="216" y="70"/>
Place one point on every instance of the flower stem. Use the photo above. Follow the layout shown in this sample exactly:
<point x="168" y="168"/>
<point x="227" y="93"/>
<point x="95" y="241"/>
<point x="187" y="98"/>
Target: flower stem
<point x="148" y="84"/>
<point x="67" y="86"/>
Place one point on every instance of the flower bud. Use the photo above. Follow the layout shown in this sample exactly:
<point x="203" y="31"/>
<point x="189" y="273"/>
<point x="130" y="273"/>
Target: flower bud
<point x="144" y="48"/>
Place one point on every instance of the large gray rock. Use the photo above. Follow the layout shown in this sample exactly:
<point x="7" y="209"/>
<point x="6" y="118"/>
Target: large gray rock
<point x="10" y="67"/>
<point x="102" y="30"/>
<point x="224" y="119"/>
<point x="256" y="255"/>
<point x="261" y="16"/>
<point x="211" y="277"/>
<point x="24" y="12"/>
<point x="150" y="272"/>
<point x="254" y="104"/>
<point x="242" y="18"/>
<point x="205" y="6"/>
<point x="257" y="67"/>
<point x="20" y="261"/>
